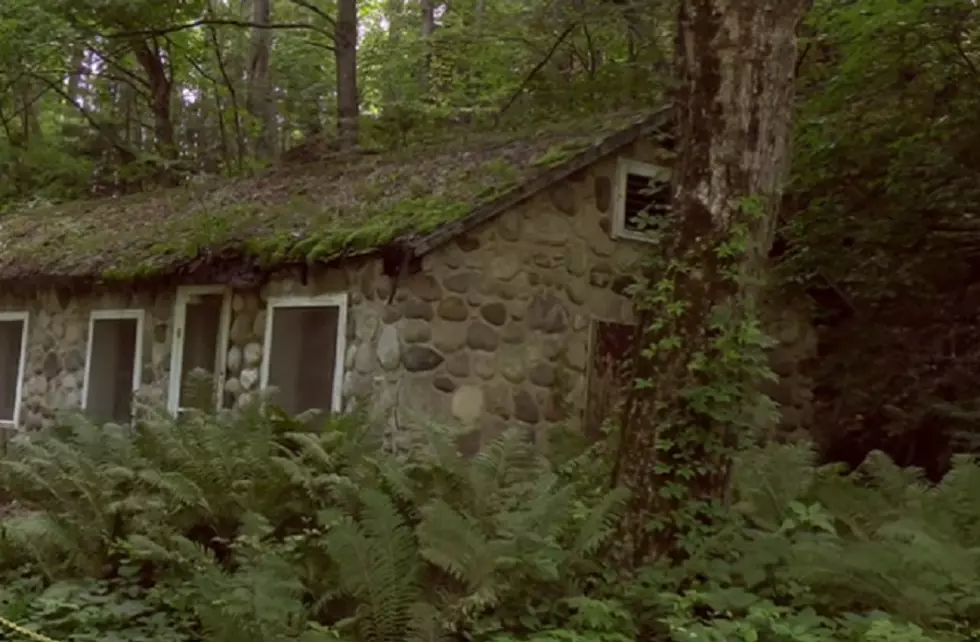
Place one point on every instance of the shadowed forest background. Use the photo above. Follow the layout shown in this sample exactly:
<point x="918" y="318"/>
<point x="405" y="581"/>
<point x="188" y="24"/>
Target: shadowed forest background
<point x="276" y="534"/>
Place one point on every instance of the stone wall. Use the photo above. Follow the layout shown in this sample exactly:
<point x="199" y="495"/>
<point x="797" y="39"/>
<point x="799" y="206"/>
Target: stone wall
<point x="361" y="361"/>
<point x="495" y="328"/>
<point x="57" y="337"/>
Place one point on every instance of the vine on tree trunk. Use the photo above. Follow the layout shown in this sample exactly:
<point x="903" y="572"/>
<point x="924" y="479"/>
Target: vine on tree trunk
<point x="701" y="352"/>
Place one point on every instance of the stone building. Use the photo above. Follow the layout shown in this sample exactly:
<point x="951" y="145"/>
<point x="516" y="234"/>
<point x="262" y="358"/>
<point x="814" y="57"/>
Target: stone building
<point x="481" y="281"/>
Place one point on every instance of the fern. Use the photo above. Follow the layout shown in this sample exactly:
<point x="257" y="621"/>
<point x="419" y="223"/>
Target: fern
<point x="253" y="521"/>
<point x="455" y="545"/>
<point x="599" y="524"/>
<point x="377" y="564"/>
<point x="259" y="602"/>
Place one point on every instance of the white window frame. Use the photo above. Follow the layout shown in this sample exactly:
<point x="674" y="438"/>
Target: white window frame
<point x="339" y="301"/>
<point x="113" y="315"/>
<point x="21" y="367"/>
<point x="624" y="167"/>
<point x="184" y="293"/>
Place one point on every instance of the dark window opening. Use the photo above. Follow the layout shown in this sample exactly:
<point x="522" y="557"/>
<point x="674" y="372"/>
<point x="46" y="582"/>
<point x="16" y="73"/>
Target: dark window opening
<point x="609" y="371"/>
<point x="112" y="369"/>
<point x="201" y="352"/>
<point x="645" y="200"/>
<point x="11" y="355"/>
<point x="667" y="141"/>
<point x="303" y="355"/>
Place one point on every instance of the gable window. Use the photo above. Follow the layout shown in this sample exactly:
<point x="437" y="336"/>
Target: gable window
<point x="112" y="366"/>
<point x="13" y="352"/>
<point x="642" y="197"/>
<point x="305" y="340"/>
<point x="202" y="315"/>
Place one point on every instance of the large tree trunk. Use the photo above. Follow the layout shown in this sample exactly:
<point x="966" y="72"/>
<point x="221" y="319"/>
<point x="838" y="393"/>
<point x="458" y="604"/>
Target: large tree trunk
<point x="345" y="50"/>
<point x="733" y="118"/>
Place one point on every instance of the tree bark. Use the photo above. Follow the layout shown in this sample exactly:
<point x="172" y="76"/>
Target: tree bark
<point x="161" y="95"/>
<point x="427" y="27"/>
<point x="733" y="124"/>
<point x="260" y="99"/>
<point x="345" y="50"/>
<point x="78" y="69"/>
<point x="395" y="13"/>
<point x="236" y="119"/>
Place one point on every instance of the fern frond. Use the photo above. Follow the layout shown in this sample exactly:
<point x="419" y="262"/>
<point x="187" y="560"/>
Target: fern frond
<point x="377" y="563"/>
<point x="426" y="624"/>
<point x="454" y="544"/>
<point x="768" y="478"/>
<point x="509" y="459"/>
<point x="599" y="524"/>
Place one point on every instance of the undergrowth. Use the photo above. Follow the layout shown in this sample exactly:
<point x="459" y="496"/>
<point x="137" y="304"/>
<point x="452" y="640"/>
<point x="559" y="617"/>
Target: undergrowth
<point x="253" y="525"/>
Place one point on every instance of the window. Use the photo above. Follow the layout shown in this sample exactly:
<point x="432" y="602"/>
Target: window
<point x="643" y="195"/>
<point x="113" y="364"/>
<point x="202" y="316"/>
<point x="612" y="345"/>
<point x="304" y="349"/>
<point x="13" y="351"/>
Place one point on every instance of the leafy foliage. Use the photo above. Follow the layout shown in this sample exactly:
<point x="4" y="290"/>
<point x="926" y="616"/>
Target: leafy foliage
<point x="251" y="525"/>
<point x="254" y="526"/>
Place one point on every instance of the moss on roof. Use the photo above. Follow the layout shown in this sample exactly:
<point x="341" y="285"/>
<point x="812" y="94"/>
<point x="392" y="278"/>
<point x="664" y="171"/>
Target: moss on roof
<point x="318" y="211"/>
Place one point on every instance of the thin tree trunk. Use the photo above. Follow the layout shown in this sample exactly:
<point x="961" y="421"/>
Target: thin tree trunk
<point x="233" y="96"/>
<point x="427" y="28"/>
<point x="30" y="109"/>
<point x="161" y="90"/>
<point x="394" y="12"/>
<point x="479" y="12"/>
<point x="260" y="98"/>
<point x="219" y="108"/>
<point x="733" y="116"/>
<point x="77" y="71"/>
<point x="130" y="120"/>
<point x="345" y="50"/>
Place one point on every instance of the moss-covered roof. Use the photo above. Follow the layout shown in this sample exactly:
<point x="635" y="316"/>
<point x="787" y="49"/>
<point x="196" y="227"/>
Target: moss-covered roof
<point x="315" y="212"/>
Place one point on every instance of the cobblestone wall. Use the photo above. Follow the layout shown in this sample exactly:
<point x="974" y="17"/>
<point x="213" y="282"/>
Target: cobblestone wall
<point x="57" y="337"/>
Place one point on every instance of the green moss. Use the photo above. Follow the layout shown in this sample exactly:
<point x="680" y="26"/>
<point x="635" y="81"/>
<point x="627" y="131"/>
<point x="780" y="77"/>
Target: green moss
<point x="372" y="229"/>
<point x="129" y="273"/>
<point x="309" y="213"/>
<point x="560" y="153"/>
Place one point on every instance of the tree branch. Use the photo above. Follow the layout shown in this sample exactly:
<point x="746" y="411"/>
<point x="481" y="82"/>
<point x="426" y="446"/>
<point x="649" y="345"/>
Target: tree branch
<point x="112" y="61"/>
<point x="127" y="154"/>
<point x="309" y="6"/>
<point x="213" y="22"/>
<point x="537" y="68"/>
<point x="319" y="45"/>
<point x="970" y="65"/>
